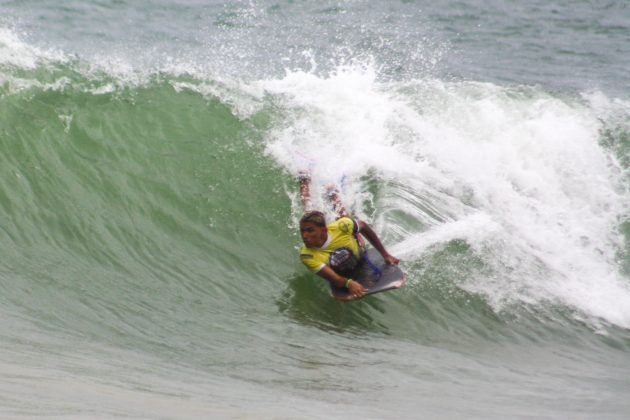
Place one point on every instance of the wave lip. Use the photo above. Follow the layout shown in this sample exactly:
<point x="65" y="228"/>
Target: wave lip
<point x="16" y="53"/>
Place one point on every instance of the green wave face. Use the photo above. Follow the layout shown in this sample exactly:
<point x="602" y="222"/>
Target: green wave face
<point x="142" y="196"/>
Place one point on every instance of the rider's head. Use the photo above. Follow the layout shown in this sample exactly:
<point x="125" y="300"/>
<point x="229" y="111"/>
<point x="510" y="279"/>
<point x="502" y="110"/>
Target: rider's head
<point x="313" y="229"/>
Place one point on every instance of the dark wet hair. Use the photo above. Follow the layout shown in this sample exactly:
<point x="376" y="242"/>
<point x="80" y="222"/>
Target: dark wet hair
<point x="316" y="217"/>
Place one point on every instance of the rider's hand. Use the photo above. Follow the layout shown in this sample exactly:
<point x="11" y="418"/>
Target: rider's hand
<point x="391" y="260"/>
<point x="356" y="290"/>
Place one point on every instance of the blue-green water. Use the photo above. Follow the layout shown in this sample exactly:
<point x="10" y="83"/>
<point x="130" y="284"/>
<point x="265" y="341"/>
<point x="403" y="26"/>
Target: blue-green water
<point x="149" y="263"/>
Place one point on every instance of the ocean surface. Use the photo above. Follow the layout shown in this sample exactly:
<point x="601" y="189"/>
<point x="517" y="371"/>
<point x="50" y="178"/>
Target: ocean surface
<point x="148" y="208"/>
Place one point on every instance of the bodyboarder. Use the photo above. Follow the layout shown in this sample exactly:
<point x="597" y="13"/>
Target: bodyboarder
<point x="332" y="250"/>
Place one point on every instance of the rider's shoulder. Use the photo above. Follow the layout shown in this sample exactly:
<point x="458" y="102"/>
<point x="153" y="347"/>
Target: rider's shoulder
<point x="345" y="224"/>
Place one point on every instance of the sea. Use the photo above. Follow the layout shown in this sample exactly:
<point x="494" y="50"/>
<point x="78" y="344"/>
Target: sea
<point x="149" y="208"/>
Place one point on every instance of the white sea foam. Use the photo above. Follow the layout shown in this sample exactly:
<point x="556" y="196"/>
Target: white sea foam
<point x="517" y="173"/>
<point x="15" y="52"/>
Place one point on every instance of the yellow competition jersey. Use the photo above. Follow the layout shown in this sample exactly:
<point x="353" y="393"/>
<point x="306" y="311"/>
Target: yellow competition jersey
<point x="340" y="234"/>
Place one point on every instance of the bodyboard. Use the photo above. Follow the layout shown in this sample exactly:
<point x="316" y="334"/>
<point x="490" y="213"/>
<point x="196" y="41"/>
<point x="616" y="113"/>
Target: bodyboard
<point x="391" y="277"/>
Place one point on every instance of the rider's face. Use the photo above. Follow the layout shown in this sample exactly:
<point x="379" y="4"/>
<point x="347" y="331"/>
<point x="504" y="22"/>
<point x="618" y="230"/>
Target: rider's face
<point x="313" y="235"/>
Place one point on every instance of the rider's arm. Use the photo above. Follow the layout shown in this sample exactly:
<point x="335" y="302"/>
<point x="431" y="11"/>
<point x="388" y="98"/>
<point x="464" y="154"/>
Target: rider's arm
<point x="371" y="236"/>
